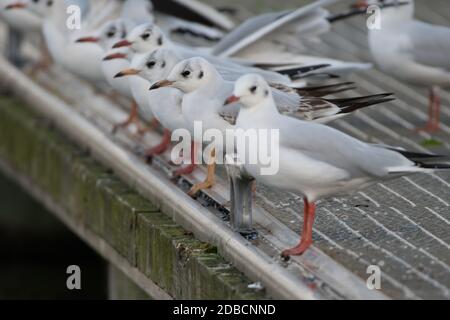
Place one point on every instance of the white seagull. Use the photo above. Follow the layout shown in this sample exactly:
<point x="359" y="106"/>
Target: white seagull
<point x="164" y="104"/>
<point x="20" y="20"/>
<point x="412" y="51"/>
<point x="318" y="161"/>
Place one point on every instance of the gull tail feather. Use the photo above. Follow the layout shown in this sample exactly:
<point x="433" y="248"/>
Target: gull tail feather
<point x="423" y="162"/>
<point x="352" y="104"/>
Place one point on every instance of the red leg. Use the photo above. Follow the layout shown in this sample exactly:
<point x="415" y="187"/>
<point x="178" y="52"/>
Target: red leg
<point x="191" y="167"/>
<point x="437" y="112"/>
<point x="433" y="112"/>
<point x="160" y="148"/>
<point x="306" y="239"/>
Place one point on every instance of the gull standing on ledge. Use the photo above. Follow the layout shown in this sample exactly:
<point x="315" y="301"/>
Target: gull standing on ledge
<point x="318" y="161"/>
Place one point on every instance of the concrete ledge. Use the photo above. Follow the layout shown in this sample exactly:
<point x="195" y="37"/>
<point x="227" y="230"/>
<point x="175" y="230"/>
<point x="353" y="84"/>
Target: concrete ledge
<point x="92" y="197"/>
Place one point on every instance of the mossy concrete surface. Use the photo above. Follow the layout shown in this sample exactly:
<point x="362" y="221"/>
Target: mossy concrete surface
<point x="95" y="198"/>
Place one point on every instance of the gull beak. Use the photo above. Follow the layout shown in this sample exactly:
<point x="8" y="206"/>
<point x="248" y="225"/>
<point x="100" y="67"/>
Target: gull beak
<point x="116" y="55"/>
<point x="161" y="84"/>
<point x="360" y="5"/>
<point x="88" y="40"/>
<point x="121" y="44"/>
<point x="232" y="99"/>
<point x="17" y="5"/>
<point x="127" y="72"/>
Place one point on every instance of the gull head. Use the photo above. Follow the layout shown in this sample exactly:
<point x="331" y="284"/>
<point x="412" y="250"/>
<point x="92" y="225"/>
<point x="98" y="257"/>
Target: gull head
<point x="144" y="38"/>
<point x="108" y="34"/>
<point x="156" y="65"/>
<point x="250" y="90"/>
<point x="190" y="75"/>
<point x="41" y="8"/>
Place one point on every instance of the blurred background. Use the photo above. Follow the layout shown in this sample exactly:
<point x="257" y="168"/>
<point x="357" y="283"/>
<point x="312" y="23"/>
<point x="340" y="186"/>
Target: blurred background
<point x="36" y="249"/>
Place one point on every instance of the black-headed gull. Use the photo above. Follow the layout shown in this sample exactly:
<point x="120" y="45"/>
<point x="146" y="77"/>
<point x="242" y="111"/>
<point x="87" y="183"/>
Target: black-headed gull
<point x="205" y="90"/>
<point x="149" y="37"/>
<point x="114" y="61"/>
<point x="20" y="20"/>
<point x="164" y="104"/>
<point x="82" y="60"/>
<point x="412" y="51"/>
<point x="318" y="161"/>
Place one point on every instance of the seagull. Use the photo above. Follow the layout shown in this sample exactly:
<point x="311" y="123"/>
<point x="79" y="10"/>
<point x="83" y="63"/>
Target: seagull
<point x="205" y="90"/>
<point x="164" y="104"/>
<point x="114" y="61"/>
<point x="25" y="22"/>
<point x="149" y="37"/>
<point x="318" y="161"/>
<point x="412" y="51"/>
<point x="20" y="20"/>
<point x="82" y="60"/>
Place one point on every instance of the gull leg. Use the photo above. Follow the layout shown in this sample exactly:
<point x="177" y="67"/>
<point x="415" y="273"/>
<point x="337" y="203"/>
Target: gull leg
<point x="210" y="178"/>
<point x="44" y="62"/>
<point x="132" y="118"/>
<point x="306" y="239"/>
<point x="154" y="124"/>
<point x="433" y="112"/>
<point x="437" y="110"/>
<point x="191" y="167"/>
<point x="160" y="148"/>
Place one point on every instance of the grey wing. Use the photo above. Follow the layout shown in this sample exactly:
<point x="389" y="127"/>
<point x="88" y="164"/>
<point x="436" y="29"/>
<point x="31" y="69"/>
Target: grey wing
<point x="310" y="109"/>
<point x="331" y="146"/>
<point x="258" y="27"/>
<point x="430" y="44"/>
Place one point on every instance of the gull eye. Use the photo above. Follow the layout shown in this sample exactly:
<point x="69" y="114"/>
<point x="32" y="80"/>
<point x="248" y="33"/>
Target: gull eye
<point x="111" y="33"/>
<point x="186" y="73"/>
<point x="49" y="3"/>
<point x="151" y="64"/>
<point x="253" y="89"/>
<point x="145" y="36"/>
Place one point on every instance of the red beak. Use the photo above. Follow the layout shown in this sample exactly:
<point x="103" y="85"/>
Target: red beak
<point x="231" y="99"/>
<point x="114" y="56"/>
<point x="121" y="44"/>
<point x="17" y="5"/>
<point x="88" y="39"/>
<point x="360" y="4"/>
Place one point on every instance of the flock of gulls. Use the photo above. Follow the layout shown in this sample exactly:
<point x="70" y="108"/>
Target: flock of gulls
<point x="257" y="75"/>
